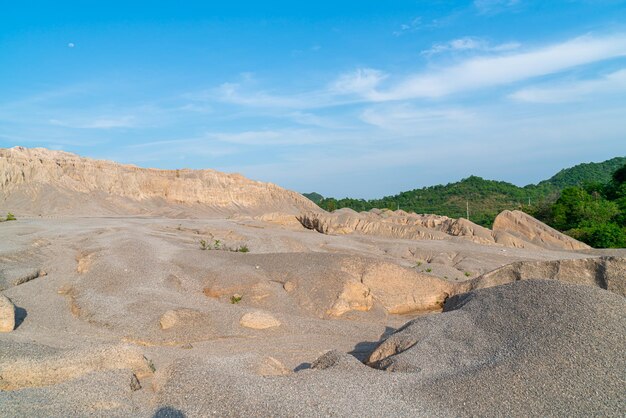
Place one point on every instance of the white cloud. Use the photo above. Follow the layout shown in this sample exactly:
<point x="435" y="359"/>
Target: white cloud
<point x="485" y="72"/>
<point x="614" y="83"/>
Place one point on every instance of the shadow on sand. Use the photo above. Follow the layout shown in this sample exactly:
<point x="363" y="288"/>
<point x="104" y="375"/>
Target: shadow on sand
<point x="20" y="316"/>
<point x="169" y="412"/>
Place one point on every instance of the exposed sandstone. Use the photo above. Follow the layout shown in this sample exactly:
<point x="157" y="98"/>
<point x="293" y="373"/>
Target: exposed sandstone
<point x="21" y="372"/>
<point x="527" y="228"/>
<point x="397" y="224"/>
<point x="604" y="272"/>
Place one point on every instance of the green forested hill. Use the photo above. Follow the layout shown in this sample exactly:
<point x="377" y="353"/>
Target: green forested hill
<point x="586" y="173"/>
<point x="485" y="198"/>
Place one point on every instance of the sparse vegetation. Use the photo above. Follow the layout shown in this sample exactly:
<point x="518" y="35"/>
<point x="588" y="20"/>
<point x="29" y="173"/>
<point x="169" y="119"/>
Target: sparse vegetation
<point x="419" y="263"/>
<point x="243" y="249"/>
<point x="429" y="270"/>
<point x="151" y="365"/>
<point x="217" y="245"/>
<point x="10" y="217"/>
<point x="467" y="274"/>
<point x="234" y="299"/>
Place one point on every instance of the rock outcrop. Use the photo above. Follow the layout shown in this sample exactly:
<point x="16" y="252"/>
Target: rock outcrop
<point x="527" y="228"/>
<point x="604" y="272"/>
<point x="398" y="224"/>
<point x="39" y="181"/>
<point x="511" y="229"/>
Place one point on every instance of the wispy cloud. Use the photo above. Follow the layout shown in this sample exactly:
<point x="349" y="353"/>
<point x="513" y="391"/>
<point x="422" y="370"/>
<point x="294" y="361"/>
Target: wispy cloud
<point x="408" y="27"/>
<point x="490" y="71"/>
<point x="363" y="82"/>
<point x="613" y="83"/>
<point x="408" y="119"/>
<point x="469" y="43"/>
<point x="495" y="6"/>
<point x="98" y="123"/>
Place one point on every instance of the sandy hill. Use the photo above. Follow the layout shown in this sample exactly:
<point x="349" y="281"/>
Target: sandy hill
<point x="43" y="182"/>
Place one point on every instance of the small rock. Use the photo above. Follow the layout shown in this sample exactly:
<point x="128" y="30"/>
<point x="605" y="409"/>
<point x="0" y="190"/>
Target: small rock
<point x="7" y="314"/>
<point x="269" y="366"/>
<point x="259" y="320"/>
<point x="178" y="317"/>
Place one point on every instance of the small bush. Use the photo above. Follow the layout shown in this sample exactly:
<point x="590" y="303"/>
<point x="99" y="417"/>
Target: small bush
<point x="204" y="245"/>
<point x="234" y="299"/>
<point x="467" y="274"/>
<point x="243" y="249"/>
<point x="10" y="217"/>
<point x="429" y="270"/>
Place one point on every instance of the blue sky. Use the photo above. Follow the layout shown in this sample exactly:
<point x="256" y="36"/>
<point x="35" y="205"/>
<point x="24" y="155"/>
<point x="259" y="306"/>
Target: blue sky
<point x="347" y="98"/>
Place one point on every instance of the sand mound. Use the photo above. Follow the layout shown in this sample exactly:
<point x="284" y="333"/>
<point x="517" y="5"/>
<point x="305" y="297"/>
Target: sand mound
<point x="551" y="348"/>
<point x="43" y="182"/>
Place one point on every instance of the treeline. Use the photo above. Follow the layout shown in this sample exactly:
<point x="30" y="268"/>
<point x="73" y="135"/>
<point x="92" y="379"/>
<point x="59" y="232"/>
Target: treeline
<point x="484" y="198"/>
<point x="594" y="213"/>
<point x="546" y="200"/>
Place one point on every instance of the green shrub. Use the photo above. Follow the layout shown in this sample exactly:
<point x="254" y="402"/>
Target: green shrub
<point x="10" y="217"/>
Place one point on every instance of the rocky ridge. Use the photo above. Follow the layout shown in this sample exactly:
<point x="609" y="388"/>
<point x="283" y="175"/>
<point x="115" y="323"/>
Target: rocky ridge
<point x="40" y="181"/>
